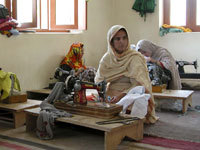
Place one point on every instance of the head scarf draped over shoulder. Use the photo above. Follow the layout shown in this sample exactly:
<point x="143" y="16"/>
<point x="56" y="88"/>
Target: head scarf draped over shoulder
<point x="74" y="56"/>
<point x="164" y="56"/>
<point x="130" y="63"/>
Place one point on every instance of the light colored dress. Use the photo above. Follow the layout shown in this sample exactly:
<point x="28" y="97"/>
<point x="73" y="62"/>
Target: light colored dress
<point x="125" y="71"/>
<point x="164" y="56"/>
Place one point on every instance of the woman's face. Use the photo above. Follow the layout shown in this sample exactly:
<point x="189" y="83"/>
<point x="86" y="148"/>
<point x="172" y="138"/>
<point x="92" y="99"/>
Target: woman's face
<point x="120" y="42"/>
<point x="145" y="53"/>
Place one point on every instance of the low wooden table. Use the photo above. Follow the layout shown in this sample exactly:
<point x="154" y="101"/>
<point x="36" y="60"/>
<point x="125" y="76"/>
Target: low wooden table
<point x="113" y="133"/>
<point x="18" y="116"/>
<point x="184" y="95"/>
<point x="43" y="93"/>
<point x="190" y="84"/>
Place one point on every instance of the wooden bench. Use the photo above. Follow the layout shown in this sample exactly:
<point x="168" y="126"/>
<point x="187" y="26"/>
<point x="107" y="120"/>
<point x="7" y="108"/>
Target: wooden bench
<point x="38" y="94"/>
<point x="15" y="112"/>
<point x="190" y="84"/>
<point x="113" y="133"/>
<point x="43" y="93"/>
<point x="184" y="95"/>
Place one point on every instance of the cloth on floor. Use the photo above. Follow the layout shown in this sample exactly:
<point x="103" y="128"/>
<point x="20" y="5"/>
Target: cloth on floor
<point x="168" y="104"/>
<point x="139" y="101"/>
<point x="48" y="113"/>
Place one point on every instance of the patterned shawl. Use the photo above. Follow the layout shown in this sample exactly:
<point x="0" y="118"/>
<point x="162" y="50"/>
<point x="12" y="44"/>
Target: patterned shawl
<point x="74" y="56"/>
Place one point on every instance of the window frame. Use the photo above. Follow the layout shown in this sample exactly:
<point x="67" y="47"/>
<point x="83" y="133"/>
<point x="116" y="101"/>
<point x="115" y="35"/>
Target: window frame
<point x="190" y="14"/>
<point x="52" y="27"/>
<point x="32" y="24"/>
<point x="53" y="17"/>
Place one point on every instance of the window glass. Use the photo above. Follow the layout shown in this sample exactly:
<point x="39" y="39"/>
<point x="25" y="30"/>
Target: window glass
<point x="178" y="12"/>
<point x="49" y="15"/>
<point x="24" y="11"/>
<point x="2" y="2"/>
<point x="198" y="12"/>
<point x="64" y="7"/>
<point x="44" y="14"/>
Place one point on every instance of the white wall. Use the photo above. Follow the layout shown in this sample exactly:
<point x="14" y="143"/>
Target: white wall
<point x="183" y="46"/>
<point x="34" y="57"/>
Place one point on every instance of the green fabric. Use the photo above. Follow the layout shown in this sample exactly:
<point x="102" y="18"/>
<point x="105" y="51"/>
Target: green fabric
<point x="164" y="31"/>
<point x="144" y="6"/>
<point x="6" y="82"/>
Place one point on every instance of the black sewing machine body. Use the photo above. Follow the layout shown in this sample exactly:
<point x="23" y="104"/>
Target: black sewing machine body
<point x="181" y="70"/>
<point x="76" y="87"/>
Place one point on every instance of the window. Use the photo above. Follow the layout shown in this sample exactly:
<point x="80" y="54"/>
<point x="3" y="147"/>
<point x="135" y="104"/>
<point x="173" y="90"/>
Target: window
<point x="2" y="2"/>
<point x="48" y="15"/>
<point x="182" y="13"/>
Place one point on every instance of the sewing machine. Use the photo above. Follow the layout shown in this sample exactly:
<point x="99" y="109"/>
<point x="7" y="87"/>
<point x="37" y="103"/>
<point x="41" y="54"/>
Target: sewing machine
<point x="80" y="91"/>
<point x="181" y="65"/>
<point x="77" y="88"/>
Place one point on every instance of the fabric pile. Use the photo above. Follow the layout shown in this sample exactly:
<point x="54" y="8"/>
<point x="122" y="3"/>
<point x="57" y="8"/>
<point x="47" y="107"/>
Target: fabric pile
<point x="7" y="24"/>
<point x="8" y="82"/>
<point x="48" y="113"/>
<point x="139" y="101"/>
<point x="165" y="29"/>
<point x="158" y="75"/>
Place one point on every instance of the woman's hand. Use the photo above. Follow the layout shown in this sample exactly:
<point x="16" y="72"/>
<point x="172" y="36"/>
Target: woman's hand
<point x="148" y="59"/>
<point x="116" y="99"/>
<point x="155" y="61"/>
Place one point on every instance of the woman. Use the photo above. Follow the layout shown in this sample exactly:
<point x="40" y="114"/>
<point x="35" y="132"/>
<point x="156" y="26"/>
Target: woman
<point x="73" y="59"/>
<point x="163" y="58"/>
<point x="124" y="69"/>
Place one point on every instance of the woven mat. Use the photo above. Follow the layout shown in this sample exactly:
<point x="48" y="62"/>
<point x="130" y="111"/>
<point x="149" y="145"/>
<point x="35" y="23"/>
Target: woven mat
<point x="10" y="143"/>
<point x="172" y="131"/>
<point x="169" y="143"/>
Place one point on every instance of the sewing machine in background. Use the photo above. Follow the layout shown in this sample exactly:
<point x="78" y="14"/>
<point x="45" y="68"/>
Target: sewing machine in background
<point x="181" y="65"/>
<point x="181" y="70"/>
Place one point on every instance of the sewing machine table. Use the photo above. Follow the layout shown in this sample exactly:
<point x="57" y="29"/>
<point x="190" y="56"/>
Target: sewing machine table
<point x="113" y="133"/>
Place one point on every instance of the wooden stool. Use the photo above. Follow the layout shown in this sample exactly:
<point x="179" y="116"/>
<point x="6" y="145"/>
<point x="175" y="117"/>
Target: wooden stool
<point x="184" y="95"/>
<point x="17" y="111"/>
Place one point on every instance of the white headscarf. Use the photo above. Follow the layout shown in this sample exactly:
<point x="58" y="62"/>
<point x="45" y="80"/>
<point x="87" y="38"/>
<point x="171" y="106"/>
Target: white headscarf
<point x="130" y="63"/>
<point x="164" y="56"/>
